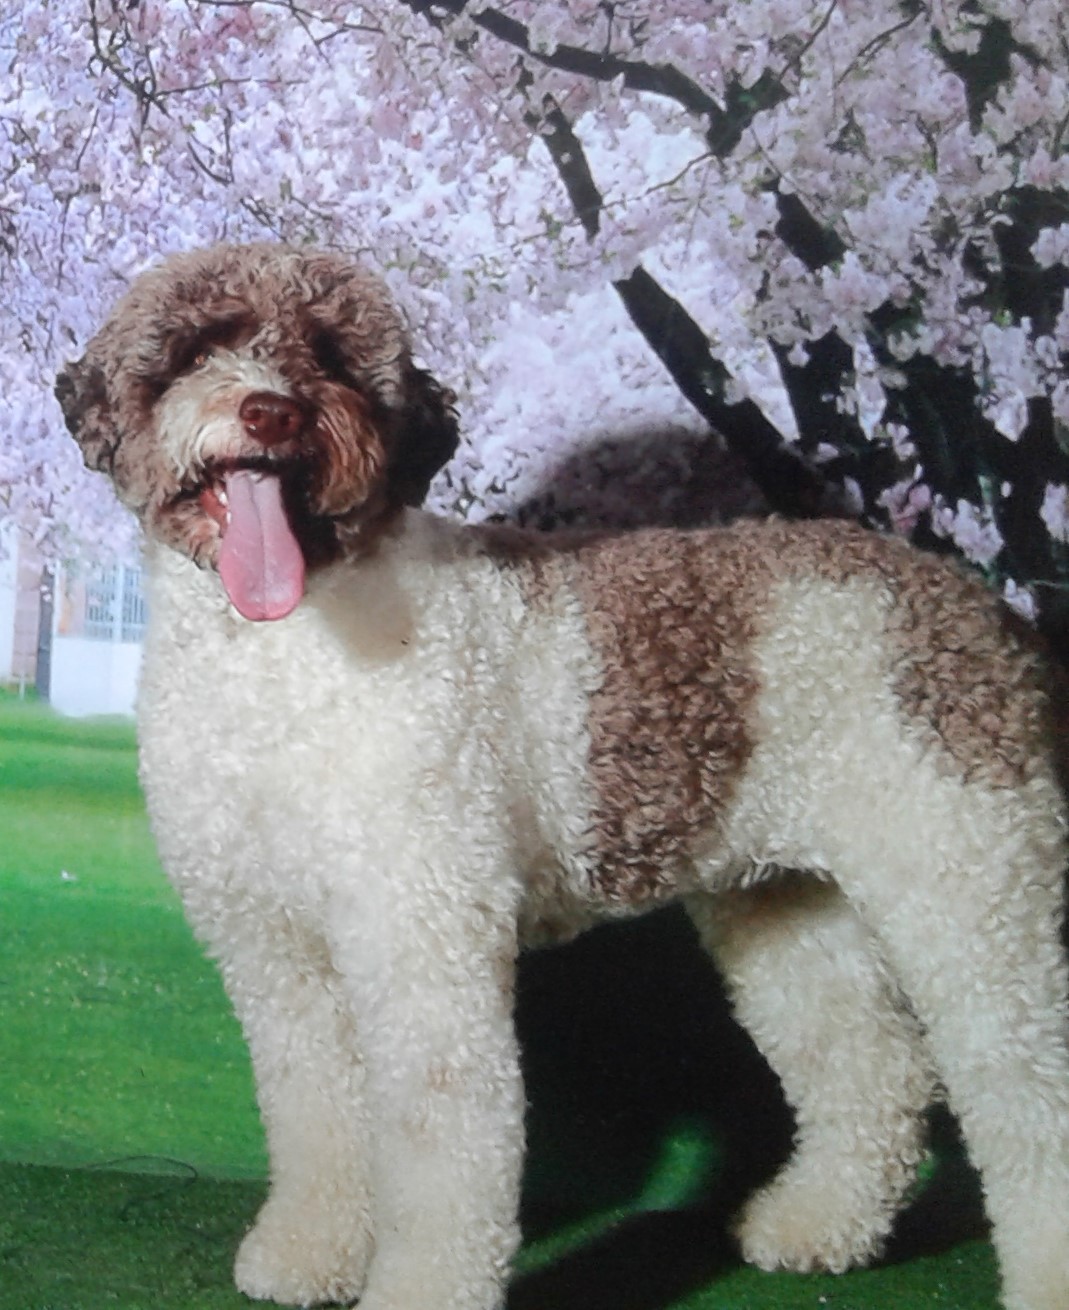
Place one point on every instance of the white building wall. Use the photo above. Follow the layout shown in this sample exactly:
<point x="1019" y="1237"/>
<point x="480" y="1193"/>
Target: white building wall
<point x="94" y="677"/>
<point x="98" y="618"/>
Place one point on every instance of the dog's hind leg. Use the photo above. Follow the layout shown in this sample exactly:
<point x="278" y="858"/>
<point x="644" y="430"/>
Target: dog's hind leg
<point x="807" y="983"/>
<point x="311" y="1242"/>
<point x="969" y="905"/>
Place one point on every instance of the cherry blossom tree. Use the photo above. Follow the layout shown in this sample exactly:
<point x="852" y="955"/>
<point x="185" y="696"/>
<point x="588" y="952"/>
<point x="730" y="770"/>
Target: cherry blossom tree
<point x="837" y="235"/>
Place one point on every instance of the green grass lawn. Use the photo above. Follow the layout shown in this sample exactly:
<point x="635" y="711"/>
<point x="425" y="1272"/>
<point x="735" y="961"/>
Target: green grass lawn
<point x="117" y="1039"/>
<point x="131" y="1158"/>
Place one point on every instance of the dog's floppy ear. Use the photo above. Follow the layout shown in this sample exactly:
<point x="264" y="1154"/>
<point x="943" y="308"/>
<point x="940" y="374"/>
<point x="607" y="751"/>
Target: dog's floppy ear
<point x="83" y="398"/>
<point x="426" y="436"/>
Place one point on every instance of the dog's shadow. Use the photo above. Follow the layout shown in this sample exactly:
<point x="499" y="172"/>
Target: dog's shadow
<point x="639" y="1083"/>
<point x="649" y="1105"/>
<point x="638" y="477"/>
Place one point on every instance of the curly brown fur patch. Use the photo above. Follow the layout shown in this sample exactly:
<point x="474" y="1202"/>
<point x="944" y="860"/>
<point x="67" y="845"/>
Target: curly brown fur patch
<point x="965" y="669"/>
<point x="672" y="623"/>
<point x="672" y="618"/>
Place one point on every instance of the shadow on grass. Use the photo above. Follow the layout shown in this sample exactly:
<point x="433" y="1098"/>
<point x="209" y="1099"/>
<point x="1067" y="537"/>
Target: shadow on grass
<point x="627" y="1040"/>
<point x="643" y="1263"/>
<point x="629" y="1049"/>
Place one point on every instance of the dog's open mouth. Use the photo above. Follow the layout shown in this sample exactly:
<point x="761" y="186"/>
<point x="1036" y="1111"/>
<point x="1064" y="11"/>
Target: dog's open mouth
<point x="260" y="561"/>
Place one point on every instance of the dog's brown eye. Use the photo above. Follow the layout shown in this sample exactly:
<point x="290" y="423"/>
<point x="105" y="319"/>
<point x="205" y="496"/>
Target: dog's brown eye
<point x="331" y="359"/>
<point x="182" y="360"/>
<point x="191" y="355"/>
<point x="195" y="350"/>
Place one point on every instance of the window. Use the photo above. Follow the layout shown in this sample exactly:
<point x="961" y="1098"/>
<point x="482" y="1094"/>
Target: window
<point x="103" y="604"/>
<point x="133" y="606"/>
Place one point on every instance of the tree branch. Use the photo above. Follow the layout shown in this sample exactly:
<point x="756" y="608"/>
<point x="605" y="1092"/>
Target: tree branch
<point x="789" y="483"/>
<point x="638" y="75"/>
<point x="725" y="124"/>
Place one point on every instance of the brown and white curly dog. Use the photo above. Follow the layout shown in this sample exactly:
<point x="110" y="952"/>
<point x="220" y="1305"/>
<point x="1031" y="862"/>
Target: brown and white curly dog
<point x="382" y="750"/>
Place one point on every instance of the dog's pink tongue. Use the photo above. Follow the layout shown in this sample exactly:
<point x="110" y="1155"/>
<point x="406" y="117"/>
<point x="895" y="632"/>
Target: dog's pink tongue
<point x="260" y="562"/>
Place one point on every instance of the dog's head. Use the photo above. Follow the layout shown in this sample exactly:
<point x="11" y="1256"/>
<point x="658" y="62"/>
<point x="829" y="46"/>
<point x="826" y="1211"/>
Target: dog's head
<point x="258" y="408"/>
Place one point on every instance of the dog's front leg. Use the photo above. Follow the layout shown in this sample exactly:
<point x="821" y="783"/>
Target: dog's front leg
<point x="311" y="1242"/>
<point x="432" y="989"/>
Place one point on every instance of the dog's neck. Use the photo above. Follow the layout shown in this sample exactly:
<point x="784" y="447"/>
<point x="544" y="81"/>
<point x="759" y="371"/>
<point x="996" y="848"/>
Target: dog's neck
<point x="180" y="590"/>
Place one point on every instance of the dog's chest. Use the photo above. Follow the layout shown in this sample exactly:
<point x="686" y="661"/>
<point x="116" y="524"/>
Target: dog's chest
<point x="276" y="751"/>
<point x="266" y="757"/>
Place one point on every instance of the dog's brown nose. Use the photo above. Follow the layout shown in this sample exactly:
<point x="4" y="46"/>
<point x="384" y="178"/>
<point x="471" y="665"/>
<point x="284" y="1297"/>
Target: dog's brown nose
<point x="270" y="418"/>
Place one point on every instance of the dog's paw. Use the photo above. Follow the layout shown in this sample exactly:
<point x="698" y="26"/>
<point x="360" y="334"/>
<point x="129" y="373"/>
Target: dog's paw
<point x="805" y="1225"/>
<point x="1035" y="1254"/>
<point x="303" y="1256"/>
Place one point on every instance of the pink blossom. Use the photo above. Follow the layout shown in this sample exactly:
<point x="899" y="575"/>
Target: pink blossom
<point x="972" y="529"/>
<point x="1052" y="246"/>
<point x="906" y="502"/>
<point x="1054" y="511"/>
<point x="1021" y="600"/>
